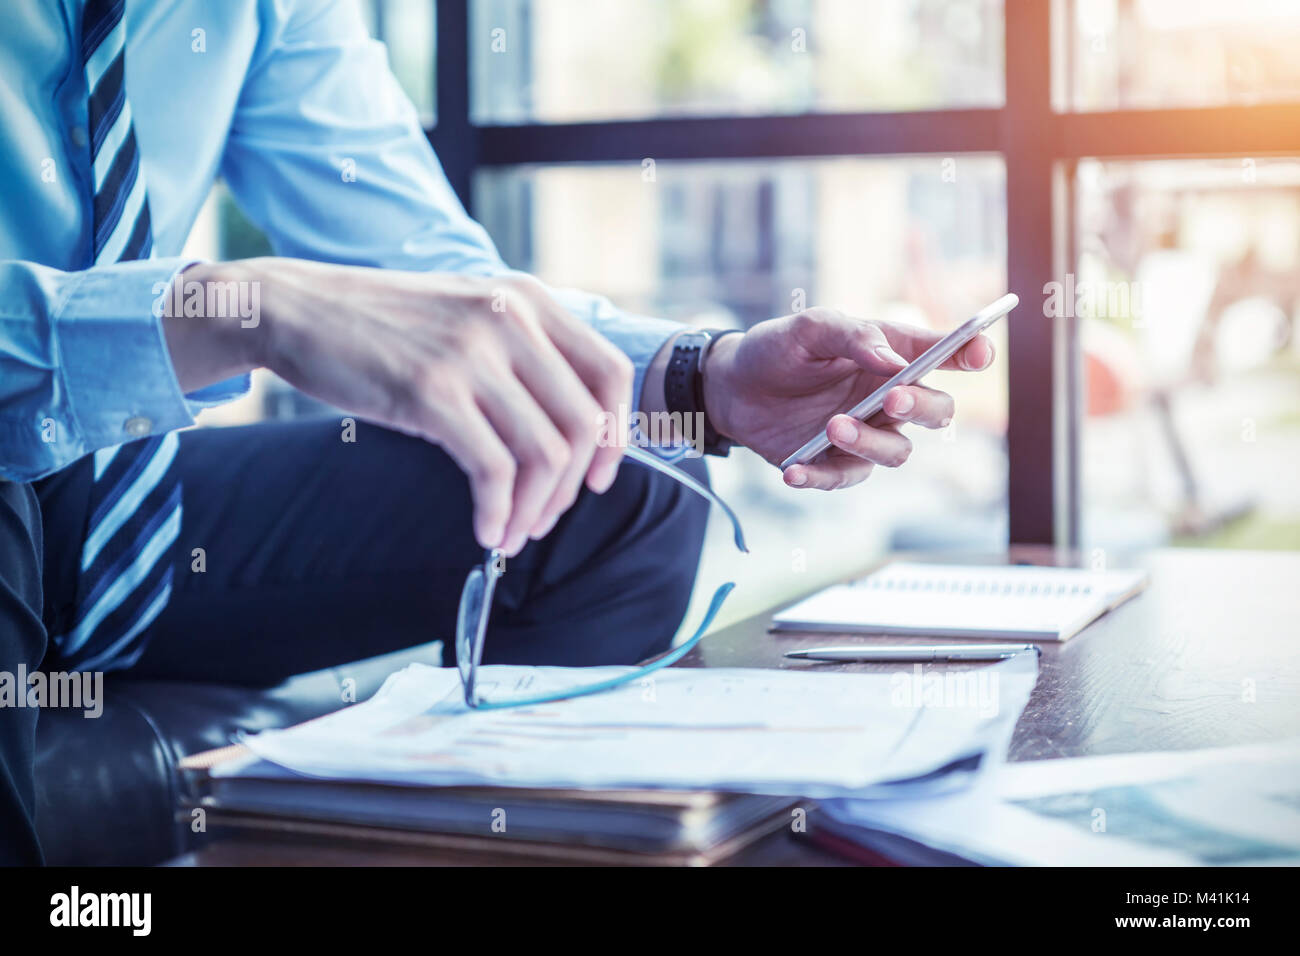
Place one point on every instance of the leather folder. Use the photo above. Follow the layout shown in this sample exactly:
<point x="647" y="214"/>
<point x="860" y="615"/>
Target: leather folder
<point x="456" y="824"/>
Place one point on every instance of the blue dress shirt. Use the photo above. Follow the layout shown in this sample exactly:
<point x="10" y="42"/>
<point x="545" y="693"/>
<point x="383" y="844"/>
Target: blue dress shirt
<point x="296" y="107"/>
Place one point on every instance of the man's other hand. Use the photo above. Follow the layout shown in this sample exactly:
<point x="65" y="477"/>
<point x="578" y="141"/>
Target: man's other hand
<point x="492" y="369"/>
<point x="786" y="379"/>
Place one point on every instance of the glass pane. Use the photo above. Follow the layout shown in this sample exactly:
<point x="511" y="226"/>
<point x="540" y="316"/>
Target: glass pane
<point x="1186" y="289"/>
<point x="406" y="27"/>
<point x="732" y="243"/>
<point x="1150" y="54"/>
<point x="574" y="60"/>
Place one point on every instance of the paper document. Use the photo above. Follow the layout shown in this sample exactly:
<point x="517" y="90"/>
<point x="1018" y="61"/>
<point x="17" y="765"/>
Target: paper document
<point x="748" y="730"/>
<point x="1229" y="806"/>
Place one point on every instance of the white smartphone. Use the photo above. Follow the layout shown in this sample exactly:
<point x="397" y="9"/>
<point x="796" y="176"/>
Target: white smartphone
<point x="927" y="362"/>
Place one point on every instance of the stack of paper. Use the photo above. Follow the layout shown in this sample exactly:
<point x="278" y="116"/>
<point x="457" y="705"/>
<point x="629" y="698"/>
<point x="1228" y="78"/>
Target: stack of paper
<point x="1230" y="806"/>
<point x="752" y="731"/>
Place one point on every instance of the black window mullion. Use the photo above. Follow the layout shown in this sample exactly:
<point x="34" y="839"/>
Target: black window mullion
<point x="743" y="137"/>
<point x="454" y="137"/>
<point x="1038" y="434"/>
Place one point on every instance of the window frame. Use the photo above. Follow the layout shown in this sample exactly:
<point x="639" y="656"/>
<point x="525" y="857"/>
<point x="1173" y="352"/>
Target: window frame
<point x="1039" y="146"/>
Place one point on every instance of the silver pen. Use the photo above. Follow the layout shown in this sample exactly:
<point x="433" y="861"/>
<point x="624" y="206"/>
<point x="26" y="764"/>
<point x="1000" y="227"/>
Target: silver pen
<point x="913" y="652"/>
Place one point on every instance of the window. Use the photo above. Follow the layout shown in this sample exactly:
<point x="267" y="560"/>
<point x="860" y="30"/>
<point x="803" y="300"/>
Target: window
<point x="1095" y="109"/>
<point x="535" y="61"/>
<point x="406" y="28"/>
<point x="1187" y="291"/>
<point x="914" y="158"/>
<point x="1147" y="54"/>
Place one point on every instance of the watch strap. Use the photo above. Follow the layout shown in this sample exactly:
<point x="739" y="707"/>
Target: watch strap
<point x="684" y="383"/>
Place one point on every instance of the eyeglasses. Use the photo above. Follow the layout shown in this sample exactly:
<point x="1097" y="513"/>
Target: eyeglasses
<point x="476" y="605"/>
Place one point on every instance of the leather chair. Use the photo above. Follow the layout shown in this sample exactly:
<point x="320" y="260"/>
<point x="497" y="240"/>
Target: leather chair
<point x="108" y="789"/>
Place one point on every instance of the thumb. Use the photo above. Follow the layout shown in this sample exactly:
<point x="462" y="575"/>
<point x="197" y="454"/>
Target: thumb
<point x="835" y="335"/>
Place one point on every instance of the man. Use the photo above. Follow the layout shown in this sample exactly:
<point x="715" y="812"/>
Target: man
<point x="250" y="554"/>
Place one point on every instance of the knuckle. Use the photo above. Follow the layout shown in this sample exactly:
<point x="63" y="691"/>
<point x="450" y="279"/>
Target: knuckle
<point x="482" y="357"/>
<point x="515" y="308"/>
<point x="807" y="323"/>
<point x="580" y="427"/>
<point x="506" y="301"/>
<point x="472" y="335"/>
<point x="526" y="290"/>
<point x="429" y="384"/>
<point x="821" y="313"/>
<point x="494" y="470"/>
<point x="549" y="453"/>
<point x="806" y="320"/>
<point x="619" y="372"/>
<point x="869" y="335"/>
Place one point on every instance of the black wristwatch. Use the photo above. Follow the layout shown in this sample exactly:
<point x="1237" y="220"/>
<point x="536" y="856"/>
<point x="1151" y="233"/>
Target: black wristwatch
<point x="684" y="383"/>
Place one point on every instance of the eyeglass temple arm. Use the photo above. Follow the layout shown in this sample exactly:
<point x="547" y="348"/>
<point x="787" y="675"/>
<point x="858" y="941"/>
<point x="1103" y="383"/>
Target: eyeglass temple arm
<point x="672" y="657"/>
<point x="651" y="460"/>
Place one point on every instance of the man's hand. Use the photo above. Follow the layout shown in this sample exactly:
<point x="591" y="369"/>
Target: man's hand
<point x="491" y="369"/>
<point x="785" y="379"/>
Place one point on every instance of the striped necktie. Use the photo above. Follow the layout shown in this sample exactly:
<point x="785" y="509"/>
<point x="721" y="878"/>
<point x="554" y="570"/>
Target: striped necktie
<point x="135" y="499"/>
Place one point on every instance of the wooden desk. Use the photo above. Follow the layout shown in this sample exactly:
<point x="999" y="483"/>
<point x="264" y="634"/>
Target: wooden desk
<point x="1206" y="657"/>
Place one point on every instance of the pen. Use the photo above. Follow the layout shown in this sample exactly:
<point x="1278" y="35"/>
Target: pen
<point x="912" y="652"/>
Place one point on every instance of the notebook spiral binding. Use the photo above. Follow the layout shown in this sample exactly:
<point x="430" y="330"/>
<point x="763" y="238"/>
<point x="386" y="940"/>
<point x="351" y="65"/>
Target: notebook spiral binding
<point x="990" y="586"/>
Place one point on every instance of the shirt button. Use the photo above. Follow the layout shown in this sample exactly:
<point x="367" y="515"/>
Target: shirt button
<point x="138" y="426"/>
<point x="78" y="134"/>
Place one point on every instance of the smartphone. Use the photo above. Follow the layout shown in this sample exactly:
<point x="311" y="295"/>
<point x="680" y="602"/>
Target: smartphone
<point x="927" y="362"/>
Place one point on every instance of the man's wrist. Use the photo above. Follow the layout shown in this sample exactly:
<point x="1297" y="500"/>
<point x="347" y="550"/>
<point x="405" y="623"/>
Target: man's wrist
<point x="715" y="386"/>
<point x="213" y="323"/>
<point x="719" y="364"/>
<point x="651" y="401"/>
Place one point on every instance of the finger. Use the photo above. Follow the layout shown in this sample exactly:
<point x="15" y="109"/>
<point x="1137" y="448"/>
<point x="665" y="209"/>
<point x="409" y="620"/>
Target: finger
<point x="924" y="406"/>
<point x="911" y="340"/>
<point x="470" y="440"/>
<point x="605" y="371"/>
<point x="827" y="334"/>
<point x="976" y="355"/>
<point x="575" y="414"/>
<point x="540" y="452"/>
<point x="883" y="446"/>
<point x="836" y="469"/>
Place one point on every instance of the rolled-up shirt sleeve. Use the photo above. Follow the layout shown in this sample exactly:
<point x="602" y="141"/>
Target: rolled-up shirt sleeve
<point x="84" y="363"/>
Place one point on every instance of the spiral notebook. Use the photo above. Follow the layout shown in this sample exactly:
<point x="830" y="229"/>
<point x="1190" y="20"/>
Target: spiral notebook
<point x="943" y="600"/>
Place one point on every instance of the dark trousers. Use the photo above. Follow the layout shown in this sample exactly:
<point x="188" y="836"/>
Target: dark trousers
<point x="299" y="550"/>
<point x="22" y="645"/>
